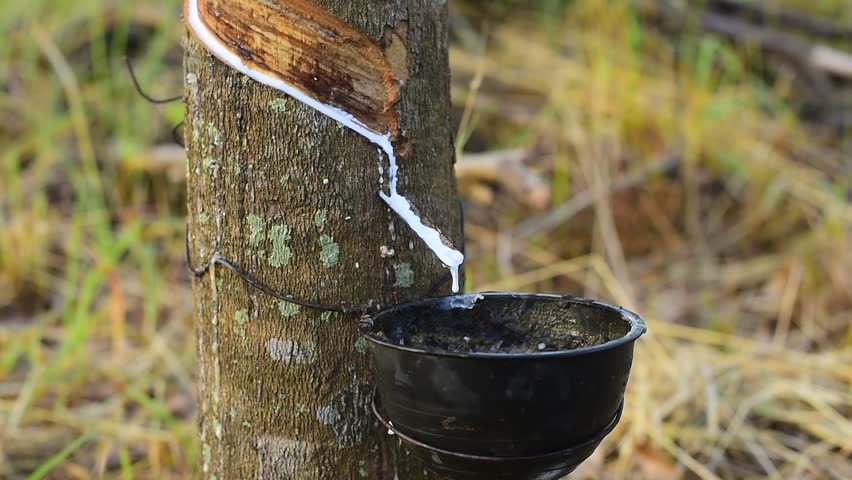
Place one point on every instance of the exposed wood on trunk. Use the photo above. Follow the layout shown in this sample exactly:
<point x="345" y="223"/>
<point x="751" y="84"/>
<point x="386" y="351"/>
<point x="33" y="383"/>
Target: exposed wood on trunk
<point x="307" y="47"/>
<point x="291" y="197"/>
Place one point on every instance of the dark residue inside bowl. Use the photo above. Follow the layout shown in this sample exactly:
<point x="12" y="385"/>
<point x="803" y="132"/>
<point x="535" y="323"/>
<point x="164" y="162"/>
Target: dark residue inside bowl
<point x="502" y="325"/>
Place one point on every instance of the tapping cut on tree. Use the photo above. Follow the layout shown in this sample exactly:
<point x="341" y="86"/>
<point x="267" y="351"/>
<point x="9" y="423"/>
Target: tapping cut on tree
<point x="338" y="71"/>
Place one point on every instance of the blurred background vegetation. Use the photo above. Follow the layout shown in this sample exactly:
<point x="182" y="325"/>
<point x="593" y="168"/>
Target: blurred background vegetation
<point x="660" y="160"/>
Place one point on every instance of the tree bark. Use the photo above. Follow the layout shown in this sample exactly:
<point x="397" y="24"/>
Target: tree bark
<point x="291" y="196"/>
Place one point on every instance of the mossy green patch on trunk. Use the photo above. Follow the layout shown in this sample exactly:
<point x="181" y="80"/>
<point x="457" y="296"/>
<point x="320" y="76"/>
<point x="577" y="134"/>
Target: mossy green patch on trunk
<point x="256" y="227"/>
<point x="329" y="251"/>
<point x="280" y="255"/>
<point x="278" y="105"/>
<point x="361" y="345"/>
<point x="288" y="309"/>
<point x="404" y="275"/>
<point x="319" y="218"/>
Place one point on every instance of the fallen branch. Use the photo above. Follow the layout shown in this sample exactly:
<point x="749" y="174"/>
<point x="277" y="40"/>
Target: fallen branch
<point x="506" y="168"/>
<point x="169" y="159"/>
<point x="760" y="12"/>
<point x="579" y="202"/>
<point x="813" y="56"/>
<point x="511" y="240"/>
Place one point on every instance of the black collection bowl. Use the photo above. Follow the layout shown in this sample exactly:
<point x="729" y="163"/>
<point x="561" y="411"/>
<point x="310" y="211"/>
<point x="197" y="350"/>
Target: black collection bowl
<point x="461" y="466"/>
<point x="496" y="404"/>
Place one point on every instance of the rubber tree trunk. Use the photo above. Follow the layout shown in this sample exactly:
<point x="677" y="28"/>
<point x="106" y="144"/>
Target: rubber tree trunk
<point x="292" y="197"/>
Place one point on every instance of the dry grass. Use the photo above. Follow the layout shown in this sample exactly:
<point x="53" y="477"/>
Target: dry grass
<point x="684" y="186"/>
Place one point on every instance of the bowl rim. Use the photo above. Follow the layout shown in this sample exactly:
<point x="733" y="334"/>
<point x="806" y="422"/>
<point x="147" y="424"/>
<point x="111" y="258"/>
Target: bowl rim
<point x="637" y="326"/>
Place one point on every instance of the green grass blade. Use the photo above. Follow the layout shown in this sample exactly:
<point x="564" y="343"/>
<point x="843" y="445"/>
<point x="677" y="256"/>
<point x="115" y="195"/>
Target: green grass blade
<point x="55" y="460"/>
